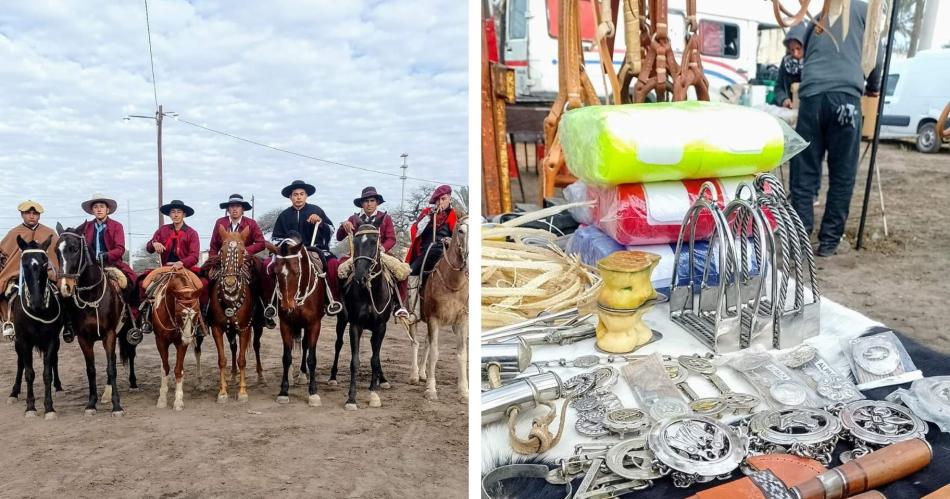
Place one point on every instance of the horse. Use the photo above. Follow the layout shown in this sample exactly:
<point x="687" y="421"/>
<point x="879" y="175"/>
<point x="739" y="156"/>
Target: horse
<point x="445" y="302"/>
<point x="232" y="310"/>
<point x="174" y="316"/>
<point x="301" y="294"/>
<point x="37" y="317"/>
<point x="97" y="311"/>
<point x="369" y="300"/>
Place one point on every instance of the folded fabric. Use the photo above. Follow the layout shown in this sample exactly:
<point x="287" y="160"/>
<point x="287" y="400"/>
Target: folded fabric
<point x="653" y="142"/>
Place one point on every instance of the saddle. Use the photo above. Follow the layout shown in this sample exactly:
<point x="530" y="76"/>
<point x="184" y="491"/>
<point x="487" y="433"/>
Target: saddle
<point x="396" y="267"/>
<point x="117" y="277"/>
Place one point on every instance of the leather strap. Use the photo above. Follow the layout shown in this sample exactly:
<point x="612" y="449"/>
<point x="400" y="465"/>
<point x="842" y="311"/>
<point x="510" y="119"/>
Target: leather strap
<point x="769" y="470"/>
<point x="492" y="481"/>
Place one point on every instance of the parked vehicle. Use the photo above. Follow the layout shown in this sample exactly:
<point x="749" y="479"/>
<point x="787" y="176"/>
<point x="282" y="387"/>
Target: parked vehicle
<point x="917" y="91"/>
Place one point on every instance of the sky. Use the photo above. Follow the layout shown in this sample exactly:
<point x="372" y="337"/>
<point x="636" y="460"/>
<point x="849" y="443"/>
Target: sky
<point x="357" y="82"/>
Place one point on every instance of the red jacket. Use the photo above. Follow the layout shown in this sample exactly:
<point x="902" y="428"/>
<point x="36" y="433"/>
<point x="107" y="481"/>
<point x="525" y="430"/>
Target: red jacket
<point x="387" y="231"/>
<point x="187" y="248"/>
<point x="445" y="220"/>
<point x="254" y="243"/>
<point x="115" y="244"/>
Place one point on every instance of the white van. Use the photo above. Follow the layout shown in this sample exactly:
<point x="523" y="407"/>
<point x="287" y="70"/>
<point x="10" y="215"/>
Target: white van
<point x="917" y="91"/>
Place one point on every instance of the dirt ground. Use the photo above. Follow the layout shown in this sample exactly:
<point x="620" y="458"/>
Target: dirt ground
<point x="902" y="279"/>
<point x="408" y="448"/>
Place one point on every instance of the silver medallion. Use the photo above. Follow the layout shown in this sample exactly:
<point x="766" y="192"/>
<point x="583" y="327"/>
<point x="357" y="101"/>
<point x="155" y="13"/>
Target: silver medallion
<point x="585" y="403"/>
<point x="676" y="372"/>
<point x="713" y="407"/>
<point x="800" y="356"/>
<point x="696" y="364"/>
<point x="872" y="424"/>
<point x="836" y="389"/>
<point x="632" y="460"/>
<point x="229" y="312"/>
<point x="805" y="432"/>
<point x="595" y="415"/>
<point x="579" y="385"/>
<point x="876" y="356"/>
<point x="788" y="393"/>
<point x="624" y="421"/>
<point x="697" y="448"/>
<point x="590" y="429"/>
<point x="740" y="403"/>
<point x="585" y="361"/>
<point x="605" y="378"/>
<point x="668" y="408"/>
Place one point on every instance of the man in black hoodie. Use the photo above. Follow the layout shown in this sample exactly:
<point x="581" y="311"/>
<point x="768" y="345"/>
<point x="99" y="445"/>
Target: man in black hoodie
<point x="829" y="118"/>
<point x="790" y="70"/>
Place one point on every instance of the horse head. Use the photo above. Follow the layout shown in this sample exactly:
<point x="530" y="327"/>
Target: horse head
<point x="366" y="249"/>
<point x="288" y="270"/>
<point x="185" y="303"/>
<point x="232" y="256"/>
<point x="74" y="257"/>
<point x="34" y="263"/>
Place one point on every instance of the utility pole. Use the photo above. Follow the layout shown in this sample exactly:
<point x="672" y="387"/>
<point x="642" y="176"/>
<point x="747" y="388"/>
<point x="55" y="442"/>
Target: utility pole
<point x="128" y="214"/>
<point x="158" y="122"/>
<point x="404" y="167"/>
<point x="253" y="205"/>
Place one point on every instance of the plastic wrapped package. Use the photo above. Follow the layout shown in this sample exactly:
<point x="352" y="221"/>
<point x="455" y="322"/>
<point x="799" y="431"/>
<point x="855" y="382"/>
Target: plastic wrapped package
<point x="653" y="142"/>
<point x="638" y="214"/>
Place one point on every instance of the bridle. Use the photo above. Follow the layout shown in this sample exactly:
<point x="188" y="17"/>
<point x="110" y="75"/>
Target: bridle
<point x="462" y="256"/>
<point x="313" y="277"/>
<point x="232" y="265"/>
<point x="188" y="303"/>
<point x="24" y="293"/>
<point x="84" y="263"/>
<point x="376" y="267"/>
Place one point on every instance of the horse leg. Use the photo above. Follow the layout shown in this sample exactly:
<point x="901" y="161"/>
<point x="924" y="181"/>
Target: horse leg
<point x="49" y="361"/>
<point x="87" y="352"/>
<point x="298" y="349"/>
<point x="57" y="384"/>
<point x="108" y="344"/>
<point x="376" y="343"/>
<point x="197" y="343"/>
<point x="181" y="350"/>
<point x="245" y="338"/>
<point x="258" y="331"/>
<point x="26" y="352"/>
<point x="232" y="342"/>
<point x="355" y="333"/>
<point x="414" y="346"/>
<point x="15" y="392"/>
<point x="217" y="333"/>
<point x="162" y="344"/>
<point x="133" y="381"/>
<point x="461" y="337"/>
<point x="313" y="334"/>
<point x="288" y="338"/>
<point x="424" y="366"/>
<point x="432" y="357"/>
<point x="340" y="330"/>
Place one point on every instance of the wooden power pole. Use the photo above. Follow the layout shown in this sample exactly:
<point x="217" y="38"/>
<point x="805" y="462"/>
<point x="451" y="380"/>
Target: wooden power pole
<point x="158" y="122"/>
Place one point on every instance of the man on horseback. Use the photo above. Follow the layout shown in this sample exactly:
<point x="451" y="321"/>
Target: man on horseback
<point x="106" y="239"/>
<point x="434" y="224"/>
<point x="177" y="245"/>
<point x="30" y="230"/>
<point x="315" y="229"/>
<point x="235" y="221"/>
<point x="369" y="201"/>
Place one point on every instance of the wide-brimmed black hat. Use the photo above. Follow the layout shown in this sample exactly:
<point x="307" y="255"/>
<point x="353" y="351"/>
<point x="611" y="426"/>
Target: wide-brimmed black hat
<point x="235" y="199"/>
<point x="167" y="209"/>
<point x="298" y="184"/>
<point x="368" y="192"/>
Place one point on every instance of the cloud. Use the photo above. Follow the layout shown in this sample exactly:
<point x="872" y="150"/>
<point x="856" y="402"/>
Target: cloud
<point x="356" y="82"/>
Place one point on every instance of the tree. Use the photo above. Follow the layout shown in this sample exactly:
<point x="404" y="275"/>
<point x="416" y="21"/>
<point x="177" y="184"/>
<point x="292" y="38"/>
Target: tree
<point x="268" y="219"/>
<point x="143" y="260"/>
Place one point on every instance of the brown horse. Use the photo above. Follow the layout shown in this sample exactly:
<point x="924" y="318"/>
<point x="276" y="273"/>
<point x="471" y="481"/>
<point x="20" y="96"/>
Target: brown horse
<point x="232" y="310"/>
<point x="93" y="301"/>
<point x="302" y="292"/>
<point x="445" y="303"/>
<point x="175" y="313"/>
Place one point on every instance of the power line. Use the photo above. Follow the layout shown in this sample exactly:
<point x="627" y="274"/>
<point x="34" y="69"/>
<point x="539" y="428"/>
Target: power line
<point x="307" y="156"/>
<point x="148" y="28"/>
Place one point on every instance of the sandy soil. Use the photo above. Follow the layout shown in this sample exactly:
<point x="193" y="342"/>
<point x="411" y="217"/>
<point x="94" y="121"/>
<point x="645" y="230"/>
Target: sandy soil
<point x="901" y="280"/>
<point x="409" y="447"/>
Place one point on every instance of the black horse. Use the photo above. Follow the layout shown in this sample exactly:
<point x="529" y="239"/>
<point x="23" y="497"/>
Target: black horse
<point x="93" y="302"/>
<point x="369" y="299"/>
<point x="37" y="319"/>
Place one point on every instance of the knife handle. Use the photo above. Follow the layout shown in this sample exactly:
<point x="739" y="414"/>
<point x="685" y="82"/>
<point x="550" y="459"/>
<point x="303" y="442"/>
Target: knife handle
<point x="871" y="471"/>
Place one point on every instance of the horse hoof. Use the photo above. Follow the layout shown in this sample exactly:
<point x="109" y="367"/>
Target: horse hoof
<point x="414" y="381"/>
<point x="314" y="401"/>
<point x="161" y="404"/>
<point x="385" y="385"/>
<point x="431" y="395"/>
<point x="49" y="416"/>
<point x="350" y="407"/>
<point x="12" y="400"/>
<point x="30" y="414"/>
<point x="463" y="398"/>
<point x="179" y="406"/>
<point x="222" y="398"/>
<point x="374" y="400"/>
<point x="90" y="412"/>
<point x="261" y="381"/>
<point x="283" y="399"/>
<point x="333" y="382"/>
<point x="118" y="414"/>
<point x="242" y="397"/>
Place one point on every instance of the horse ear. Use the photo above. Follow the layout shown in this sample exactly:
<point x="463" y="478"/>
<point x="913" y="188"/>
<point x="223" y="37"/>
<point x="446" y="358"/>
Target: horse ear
<point x="46" y="243"/>
<point x="21" y="243"/>
<point x="59" y="229"/>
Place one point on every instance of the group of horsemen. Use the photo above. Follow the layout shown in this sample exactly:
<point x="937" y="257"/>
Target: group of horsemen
<point x="177" y="245"/>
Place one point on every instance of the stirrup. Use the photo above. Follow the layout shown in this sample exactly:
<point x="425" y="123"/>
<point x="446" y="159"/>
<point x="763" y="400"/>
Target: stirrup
<point x="270" y="311"/>
<point x="8" y="331"/>
<point x="334" y="308"/>
<point x="134" y="336"/>
<point x="402" y="312"/>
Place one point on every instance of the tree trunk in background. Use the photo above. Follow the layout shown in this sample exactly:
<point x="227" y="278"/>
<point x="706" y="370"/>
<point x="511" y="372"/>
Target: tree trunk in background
<point x="915" y="29"/>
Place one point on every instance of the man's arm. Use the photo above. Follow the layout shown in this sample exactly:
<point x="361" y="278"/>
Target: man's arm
<point x="215" y="246"/>
<point x="257" y="238"/>
<point x="194" y="250"/>
<point x="388" y="233"/>
<point x="781" y="87"/>
<point x="115" y="254"/>
<point x="280" y="231"/>
<point x="872" y="86"/>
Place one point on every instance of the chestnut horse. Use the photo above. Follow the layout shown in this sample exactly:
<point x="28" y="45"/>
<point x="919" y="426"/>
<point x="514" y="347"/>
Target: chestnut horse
<point x="175" y="314"/>
<point x="302" y="291"/>
<point x="445" y="303"/>
<point x="93" y="302"/>
<point x="232" y="310"/>
<point x="369" y="300"/>
<point x="38" y="319"/>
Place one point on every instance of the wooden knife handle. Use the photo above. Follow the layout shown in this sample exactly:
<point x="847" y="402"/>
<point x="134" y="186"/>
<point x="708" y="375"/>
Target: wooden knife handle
<point x="878" y="468"/>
